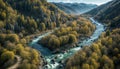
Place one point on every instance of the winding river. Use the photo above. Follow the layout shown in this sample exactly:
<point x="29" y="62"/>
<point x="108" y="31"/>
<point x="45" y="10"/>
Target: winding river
<point x="54" y="60"/>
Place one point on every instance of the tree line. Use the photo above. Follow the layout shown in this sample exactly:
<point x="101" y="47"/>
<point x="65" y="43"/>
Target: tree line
<point x="103" y="54"/>
<point x="68" y="34"/>
<point x="11" y="45"/>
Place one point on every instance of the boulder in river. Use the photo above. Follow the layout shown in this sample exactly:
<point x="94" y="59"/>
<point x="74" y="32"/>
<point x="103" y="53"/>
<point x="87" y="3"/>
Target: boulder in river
<point x="45" y="63"/>
<point x="60" y="66"/>
<point x="61" y="62"/>
<point x="81" y="46"/>
<point x="53" y="61"/>
<point x="77" y="45"/>
<point x="36" y="37"/>
<point x="74" y="45"/>
<point x="56" y="51"/>
<point x="45" y="67"/>
<point x="56" y="57"/>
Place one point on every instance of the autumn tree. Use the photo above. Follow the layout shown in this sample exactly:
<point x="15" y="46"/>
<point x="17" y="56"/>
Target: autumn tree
<point x="8" y="55"/>
<point x="42" y="27"/>
<point x="72" y="38"/>
<point x="85" y="66"/>
<point x="107" y="62"/>
<point x="54" y="42"/>
<point x="12" y="38"/>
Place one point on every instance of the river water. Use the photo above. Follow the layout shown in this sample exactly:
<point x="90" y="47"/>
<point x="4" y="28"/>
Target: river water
<point x="54" y="60"/>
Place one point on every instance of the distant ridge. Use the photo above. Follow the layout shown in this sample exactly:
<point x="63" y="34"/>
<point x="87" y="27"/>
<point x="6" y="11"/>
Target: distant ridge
<point x="75" y="8"/>
<point x="108" y="13"/>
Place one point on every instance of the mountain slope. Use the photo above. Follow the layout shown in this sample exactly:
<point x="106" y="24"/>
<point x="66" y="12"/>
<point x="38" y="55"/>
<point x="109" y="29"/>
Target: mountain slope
<point x="108" y="13"/>
<point x="104" y="53"/>
<point x="75" y="8"/>
<point x="18" y="20"/>
<point x="28" y="16"/>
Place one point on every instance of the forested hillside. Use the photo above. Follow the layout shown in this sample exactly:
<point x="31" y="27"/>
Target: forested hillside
<point x="20" y="18"/>
<point x="108" y="13"/>
<point x="104" y="53"/>
<point x="11" y="46"/>
<point x="28" y="16"/>
<point x="67" y="36"/>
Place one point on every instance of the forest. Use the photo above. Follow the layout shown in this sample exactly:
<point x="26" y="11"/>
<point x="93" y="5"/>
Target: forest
<point x="22" y="20"/>
<point x="28" y="17"/>
<point x="68" y="34"/>
<point x="18" y="20"/>
<point x="11" y="45"/>
<point x="103" y="54"/>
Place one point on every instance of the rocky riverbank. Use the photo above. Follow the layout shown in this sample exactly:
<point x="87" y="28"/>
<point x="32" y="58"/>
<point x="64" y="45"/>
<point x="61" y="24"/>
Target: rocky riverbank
<point x="57" y="60"/>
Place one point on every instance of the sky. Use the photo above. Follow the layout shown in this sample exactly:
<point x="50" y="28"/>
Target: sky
<point x="98" y="2"/>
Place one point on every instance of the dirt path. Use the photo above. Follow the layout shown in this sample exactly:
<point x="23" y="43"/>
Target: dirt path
<point x="15" y="66"/>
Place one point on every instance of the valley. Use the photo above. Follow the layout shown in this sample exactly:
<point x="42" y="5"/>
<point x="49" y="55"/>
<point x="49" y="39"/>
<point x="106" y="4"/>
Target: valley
<point x="37" y="34"/>
<point x="56" y="61"/>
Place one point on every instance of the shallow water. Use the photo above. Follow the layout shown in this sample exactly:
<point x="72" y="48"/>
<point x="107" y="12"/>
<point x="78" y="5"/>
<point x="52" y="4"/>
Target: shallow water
<point x="54" y="59"/>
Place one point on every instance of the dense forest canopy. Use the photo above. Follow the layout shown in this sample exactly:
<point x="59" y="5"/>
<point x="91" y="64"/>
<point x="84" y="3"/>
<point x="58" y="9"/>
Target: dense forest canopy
<point x="26" y="16"/>
<point x="104" y="53"/>
<point x="20" y="18"/>
<point x="68" y="34"/>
